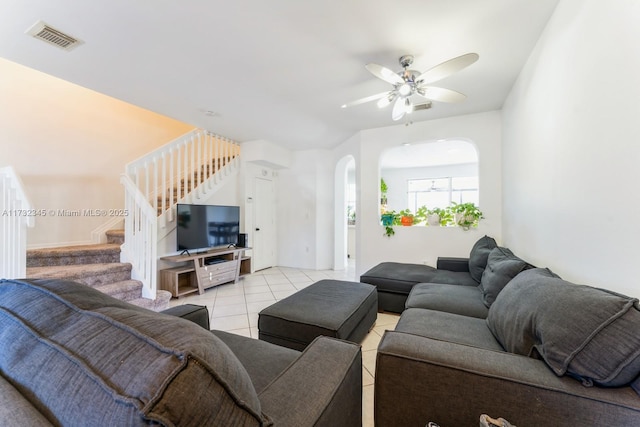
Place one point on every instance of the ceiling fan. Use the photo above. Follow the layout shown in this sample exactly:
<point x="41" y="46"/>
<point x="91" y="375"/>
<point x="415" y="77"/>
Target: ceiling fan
<point x="408" y="83"/>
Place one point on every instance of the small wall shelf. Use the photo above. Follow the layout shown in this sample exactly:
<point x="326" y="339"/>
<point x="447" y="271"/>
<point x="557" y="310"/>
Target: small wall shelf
<point x="204" y="270"/>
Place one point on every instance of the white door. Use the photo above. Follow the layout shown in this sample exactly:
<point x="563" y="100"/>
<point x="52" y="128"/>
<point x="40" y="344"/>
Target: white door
<point x="264" y="232"/>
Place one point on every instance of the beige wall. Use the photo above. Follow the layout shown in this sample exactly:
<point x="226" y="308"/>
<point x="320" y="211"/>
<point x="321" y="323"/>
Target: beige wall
<point x="70" y="145"/>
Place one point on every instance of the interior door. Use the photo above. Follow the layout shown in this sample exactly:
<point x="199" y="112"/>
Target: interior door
<point x="264" y="233"/>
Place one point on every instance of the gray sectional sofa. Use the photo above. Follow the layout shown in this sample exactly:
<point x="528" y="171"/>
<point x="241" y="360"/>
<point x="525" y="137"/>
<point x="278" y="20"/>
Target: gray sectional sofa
<point x="394" y="280"/>
<point x="521" y="344"/>
<point x="72" y="356"/>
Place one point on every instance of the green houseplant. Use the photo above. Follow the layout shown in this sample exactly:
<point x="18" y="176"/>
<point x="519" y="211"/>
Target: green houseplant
<point x="406" y="217"/>
<point x="383" y="192"/>
<point x="466" y="215"/>
<point x="421" y="215"/>
<point x="389" y="219"/>
<point x="439" y="217"/>
<point x="351" y="215"/>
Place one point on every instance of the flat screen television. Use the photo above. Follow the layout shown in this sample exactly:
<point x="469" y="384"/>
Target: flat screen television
<point x="206" y="226"/>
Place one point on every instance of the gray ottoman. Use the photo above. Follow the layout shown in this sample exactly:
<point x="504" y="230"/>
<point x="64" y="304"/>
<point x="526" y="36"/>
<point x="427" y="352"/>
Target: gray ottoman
<point x="334" y="308"/>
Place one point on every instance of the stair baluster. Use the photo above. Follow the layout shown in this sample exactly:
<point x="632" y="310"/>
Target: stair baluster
<point x="152" y="190"/>
<point x="16" y="214"/>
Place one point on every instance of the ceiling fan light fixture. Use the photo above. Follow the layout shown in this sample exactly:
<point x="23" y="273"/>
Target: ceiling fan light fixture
<point x="404" y="89"/>
<point x="409" y="82"/>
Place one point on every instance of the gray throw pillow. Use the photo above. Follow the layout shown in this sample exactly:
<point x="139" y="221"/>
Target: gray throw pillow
<point x="479" y="256"/>
<point x="89" y="359"/>
<point x="585" y="332"/>
<point x="502" y="266"/>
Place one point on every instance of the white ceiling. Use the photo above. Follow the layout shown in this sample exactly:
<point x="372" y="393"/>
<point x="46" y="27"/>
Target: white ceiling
<point x="280" y="69"/>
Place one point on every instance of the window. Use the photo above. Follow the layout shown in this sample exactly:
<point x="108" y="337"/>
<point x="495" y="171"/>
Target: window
<point x="440" y="192"/>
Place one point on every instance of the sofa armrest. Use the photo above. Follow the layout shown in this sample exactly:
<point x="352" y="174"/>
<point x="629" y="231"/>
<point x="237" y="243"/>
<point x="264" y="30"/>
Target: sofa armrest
<point x="420" y="379"/>
<point x="198" y="314"/>
<point x="453" y="264"/>
<point x="322" y="387"/>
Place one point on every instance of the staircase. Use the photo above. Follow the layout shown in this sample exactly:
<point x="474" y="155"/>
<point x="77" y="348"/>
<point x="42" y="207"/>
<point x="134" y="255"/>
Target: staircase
<point x="187" y="170"/>
<point x="97" y="266"/>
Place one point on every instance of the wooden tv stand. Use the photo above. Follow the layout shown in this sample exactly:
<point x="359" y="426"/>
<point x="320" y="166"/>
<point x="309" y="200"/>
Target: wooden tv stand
<point x="204" y="270"/>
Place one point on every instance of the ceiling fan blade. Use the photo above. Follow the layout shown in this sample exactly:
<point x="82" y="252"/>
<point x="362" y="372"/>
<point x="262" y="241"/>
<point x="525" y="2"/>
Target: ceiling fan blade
<point x="366" y="99"/>
<point x="384" y="73"/>
<point x="440" y="94"/>
<point x="399" y="109"/>
<point x="447" y="68"/>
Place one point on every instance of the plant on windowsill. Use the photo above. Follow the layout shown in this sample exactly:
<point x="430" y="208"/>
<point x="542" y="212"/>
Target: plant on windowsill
<point x="439" y="217"/>
<point x="466" y="215"/>
<point x="383" y="193"/>
<point x="406" y="217"/>
<point x="351" y="216"/>
<point x="421" y="215"/>
<point x="389" y="219"/>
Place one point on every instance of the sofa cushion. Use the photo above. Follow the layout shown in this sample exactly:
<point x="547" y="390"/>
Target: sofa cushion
<point x="636" y="384"/>
<point x="397" y="277"/>
<point x="463" y="300"/>
<point x="479" y="256"/>
<point x="502" y="266"/>
<point x="68" y="343"/>
<point x="16" y="410"/>
<point x="448" y="277"/>
<point x="588" y="333"/>
<point x="448" y="327"/>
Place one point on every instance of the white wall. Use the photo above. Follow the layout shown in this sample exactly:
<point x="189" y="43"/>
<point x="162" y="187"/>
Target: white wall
<point x="425" y="244"/>
<point x="226" y="192"/>
<point x="305" y="211"/>
<point x="570" y="147"/>
<point x="70" y="145"/>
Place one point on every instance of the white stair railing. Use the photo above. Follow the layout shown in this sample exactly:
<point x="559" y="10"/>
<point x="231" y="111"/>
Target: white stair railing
<point x="16" y="214"/>
<point x="185" y="170"/>
<point x="140" y="242"/>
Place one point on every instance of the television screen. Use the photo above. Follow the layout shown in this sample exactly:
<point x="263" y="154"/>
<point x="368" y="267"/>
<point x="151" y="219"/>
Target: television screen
<point x="207" y="226"/>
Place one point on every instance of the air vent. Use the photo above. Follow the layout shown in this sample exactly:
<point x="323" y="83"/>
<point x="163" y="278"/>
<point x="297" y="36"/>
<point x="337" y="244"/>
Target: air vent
<point x="47" y="33"/>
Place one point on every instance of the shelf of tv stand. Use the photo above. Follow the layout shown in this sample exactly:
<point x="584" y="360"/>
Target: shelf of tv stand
<point x="204" y="270"/>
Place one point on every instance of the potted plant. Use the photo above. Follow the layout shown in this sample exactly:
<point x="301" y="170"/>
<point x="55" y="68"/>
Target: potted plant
<point x="383" y="192"/>
<point x="351" y="215"/>
<point x="420" y="215"/>
<point x="434" y="215"/>
<point x="406" y="217"/>
<point x="466" y="215"/>
<point x="389" y="219"/>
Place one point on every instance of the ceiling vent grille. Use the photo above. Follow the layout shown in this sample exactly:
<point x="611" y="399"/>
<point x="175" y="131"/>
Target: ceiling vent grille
<point x="47" y="33"/>
<point x="424" y="106"/>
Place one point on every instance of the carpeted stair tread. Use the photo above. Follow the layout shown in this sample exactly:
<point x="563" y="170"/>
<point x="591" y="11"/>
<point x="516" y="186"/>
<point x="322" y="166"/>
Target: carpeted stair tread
<point x="97" y="266"/>
<point x="160" y="303"/>
<point x="115" y="236"/>
<point x="89" y="274"/>
<point x="125" y="290"/>
<point x="73" y="255"/>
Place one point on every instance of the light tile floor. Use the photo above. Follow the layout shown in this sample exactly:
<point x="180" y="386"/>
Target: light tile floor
<point x="234" y="307"/>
